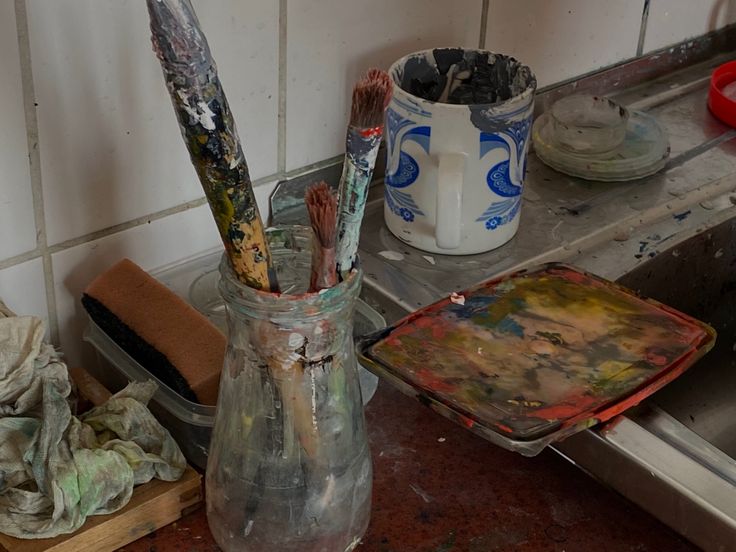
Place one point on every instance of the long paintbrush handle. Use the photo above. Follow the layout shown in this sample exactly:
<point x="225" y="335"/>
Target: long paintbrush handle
<point x="209" y="132"/>
<point x="360" y="160"/>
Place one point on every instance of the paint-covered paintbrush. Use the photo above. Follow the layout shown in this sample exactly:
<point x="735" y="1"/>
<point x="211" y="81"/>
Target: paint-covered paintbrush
<point x="370" y="98"/>
<point x="209" y="132"/>
<point x="322" y="207"/>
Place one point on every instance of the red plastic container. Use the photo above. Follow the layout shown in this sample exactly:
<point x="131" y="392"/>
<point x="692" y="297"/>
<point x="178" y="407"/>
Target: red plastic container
<point x="722" y="97"/>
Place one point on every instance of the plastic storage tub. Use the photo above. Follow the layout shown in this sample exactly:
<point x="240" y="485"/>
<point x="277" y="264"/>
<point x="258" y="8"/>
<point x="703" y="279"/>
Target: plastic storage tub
<point x="190" y="423"/>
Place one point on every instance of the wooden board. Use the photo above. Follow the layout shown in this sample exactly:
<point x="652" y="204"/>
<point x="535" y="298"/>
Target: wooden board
<point x="153" y="505"/>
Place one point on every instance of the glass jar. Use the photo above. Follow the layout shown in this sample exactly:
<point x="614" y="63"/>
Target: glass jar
<point x="289" y="466"/>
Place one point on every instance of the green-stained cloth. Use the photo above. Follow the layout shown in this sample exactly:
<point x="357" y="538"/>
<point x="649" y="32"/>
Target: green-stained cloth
<point x="56" y="469"/>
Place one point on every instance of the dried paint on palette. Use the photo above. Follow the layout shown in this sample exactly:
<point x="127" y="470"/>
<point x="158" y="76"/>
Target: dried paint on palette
<point x="531" y="352"/>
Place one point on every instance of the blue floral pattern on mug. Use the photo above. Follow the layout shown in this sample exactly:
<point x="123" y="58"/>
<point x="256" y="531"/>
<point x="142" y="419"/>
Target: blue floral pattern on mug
<point x="505" y="177"/>
<point x="403" y="170"/>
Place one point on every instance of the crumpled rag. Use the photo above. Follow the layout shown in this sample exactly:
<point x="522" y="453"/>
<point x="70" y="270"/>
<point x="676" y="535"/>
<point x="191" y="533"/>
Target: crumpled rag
<point x="56" y="469"/>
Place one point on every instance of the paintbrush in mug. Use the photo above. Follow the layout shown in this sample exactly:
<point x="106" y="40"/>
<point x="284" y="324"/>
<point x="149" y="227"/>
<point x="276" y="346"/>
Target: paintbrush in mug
<point x="210" y="135"/>
<point x="370" y="98"/>
<point x="322" y="207"/>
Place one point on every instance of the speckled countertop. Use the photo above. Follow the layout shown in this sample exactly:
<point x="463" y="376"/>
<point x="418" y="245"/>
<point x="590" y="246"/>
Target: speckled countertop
<point x="439" y="488"/>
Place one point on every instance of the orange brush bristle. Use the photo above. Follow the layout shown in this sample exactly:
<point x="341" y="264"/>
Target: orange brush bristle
<point x="322" y="207"/>
<point x="371" y="95"/>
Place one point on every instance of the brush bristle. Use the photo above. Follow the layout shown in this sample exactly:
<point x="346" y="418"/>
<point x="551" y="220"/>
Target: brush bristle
<point x="371" y="95"/>
<point x="322" y="206"/>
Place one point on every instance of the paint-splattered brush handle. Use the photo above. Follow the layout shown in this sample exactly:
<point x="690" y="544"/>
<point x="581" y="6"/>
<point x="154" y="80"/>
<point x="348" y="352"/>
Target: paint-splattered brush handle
<point x="210" y="135"/>
<point x="360" y="160"/>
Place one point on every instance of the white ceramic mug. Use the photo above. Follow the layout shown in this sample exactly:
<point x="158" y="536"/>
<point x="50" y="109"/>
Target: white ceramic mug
<point x="455" y="171"/>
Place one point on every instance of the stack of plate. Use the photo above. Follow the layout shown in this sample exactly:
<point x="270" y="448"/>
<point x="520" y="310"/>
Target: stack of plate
<point x="596" y="139"/>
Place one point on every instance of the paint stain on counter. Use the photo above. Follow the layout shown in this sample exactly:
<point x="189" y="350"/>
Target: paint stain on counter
<point x="679" y="217"/>
<point x="420" y="492"/>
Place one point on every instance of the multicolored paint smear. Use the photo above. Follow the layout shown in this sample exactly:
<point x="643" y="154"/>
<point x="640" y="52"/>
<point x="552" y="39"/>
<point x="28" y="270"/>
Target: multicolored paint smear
<point x="210" y="135"/>
<point x="371" y="95"/>
<point x="538" y="351"/>
<point x="360" y="158"/>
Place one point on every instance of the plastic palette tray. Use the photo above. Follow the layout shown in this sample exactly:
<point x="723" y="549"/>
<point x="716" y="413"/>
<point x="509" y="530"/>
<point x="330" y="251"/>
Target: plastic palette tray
<point x="537" y="356"/>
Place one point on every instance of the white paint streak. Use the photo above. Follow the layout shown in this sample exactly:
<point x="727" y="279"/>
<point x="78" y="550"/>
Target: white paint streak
<point x="554" y="231"/>
<point x="421" y="493"/>
<point x="204" y="118"/>
<point x="429" y="259"/>
<point x="296" y="340"/>
<point x="353" y="545"/>
<point x="314" y="401"/>
<point x="457" y="298"/>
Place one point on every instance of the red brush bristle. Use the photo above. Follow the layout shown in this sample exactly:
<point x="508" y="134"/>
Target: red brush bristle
<point x="371" y="95"/>
<point x="322" y="207"/>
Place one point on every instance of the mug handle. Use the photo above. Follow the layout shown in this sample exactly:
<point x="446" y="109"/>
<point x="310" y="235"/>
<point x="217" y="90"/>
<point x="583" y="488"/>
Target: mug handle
<point x="449" y="200"/>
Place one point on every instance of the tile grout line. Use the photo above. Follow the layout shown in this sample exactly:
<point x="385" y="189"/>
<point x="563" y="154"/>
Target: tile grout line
<point x="34" y="164"/>
<point x="20" y="258"/>
<point x="312" y="167"/>
<point x="643" y="29"/>
<point x="145" y="219"/>
<point x="485" y="8"/>
<point x="127" y="225"/>
<point x="163" y="213"/>
<point x="281" y="131"/>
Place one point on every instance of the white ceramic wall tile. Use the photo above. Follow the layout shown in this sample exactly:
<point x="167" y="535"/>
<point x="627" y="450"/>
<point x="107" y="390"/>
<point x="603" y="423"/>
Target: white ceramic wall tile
<point x="330" y="42"/>
<point x="672" y="21"/>
<point x="152" y="245"/>
<point x="564" y="38"/>
<point x="17" y="229"/>
<point x="263" y="194"/>
<point x="110" y="146"/>
<point x="23" y="290"/>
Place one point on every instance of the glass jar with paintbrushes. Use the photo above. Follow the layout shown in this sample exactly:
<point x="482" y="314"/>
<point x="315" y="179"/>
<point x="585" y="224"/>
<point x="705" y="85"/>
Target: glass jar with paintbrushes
<point x="289" y="465"/>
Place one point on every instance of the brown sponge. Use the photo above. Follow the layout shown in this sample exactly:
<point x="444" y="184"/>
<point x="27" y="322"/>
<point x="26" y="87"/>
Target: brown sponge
<point x="160" y="331"/>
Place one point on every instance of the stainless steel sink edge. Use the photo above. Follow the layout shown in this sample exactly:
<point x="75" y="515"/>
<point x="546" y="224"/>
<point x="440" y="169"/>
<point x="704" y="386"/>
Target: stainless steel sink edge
<point x="678" y="490"/>
<point x="671" y="431"/>
<point x="648" y="456"/>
